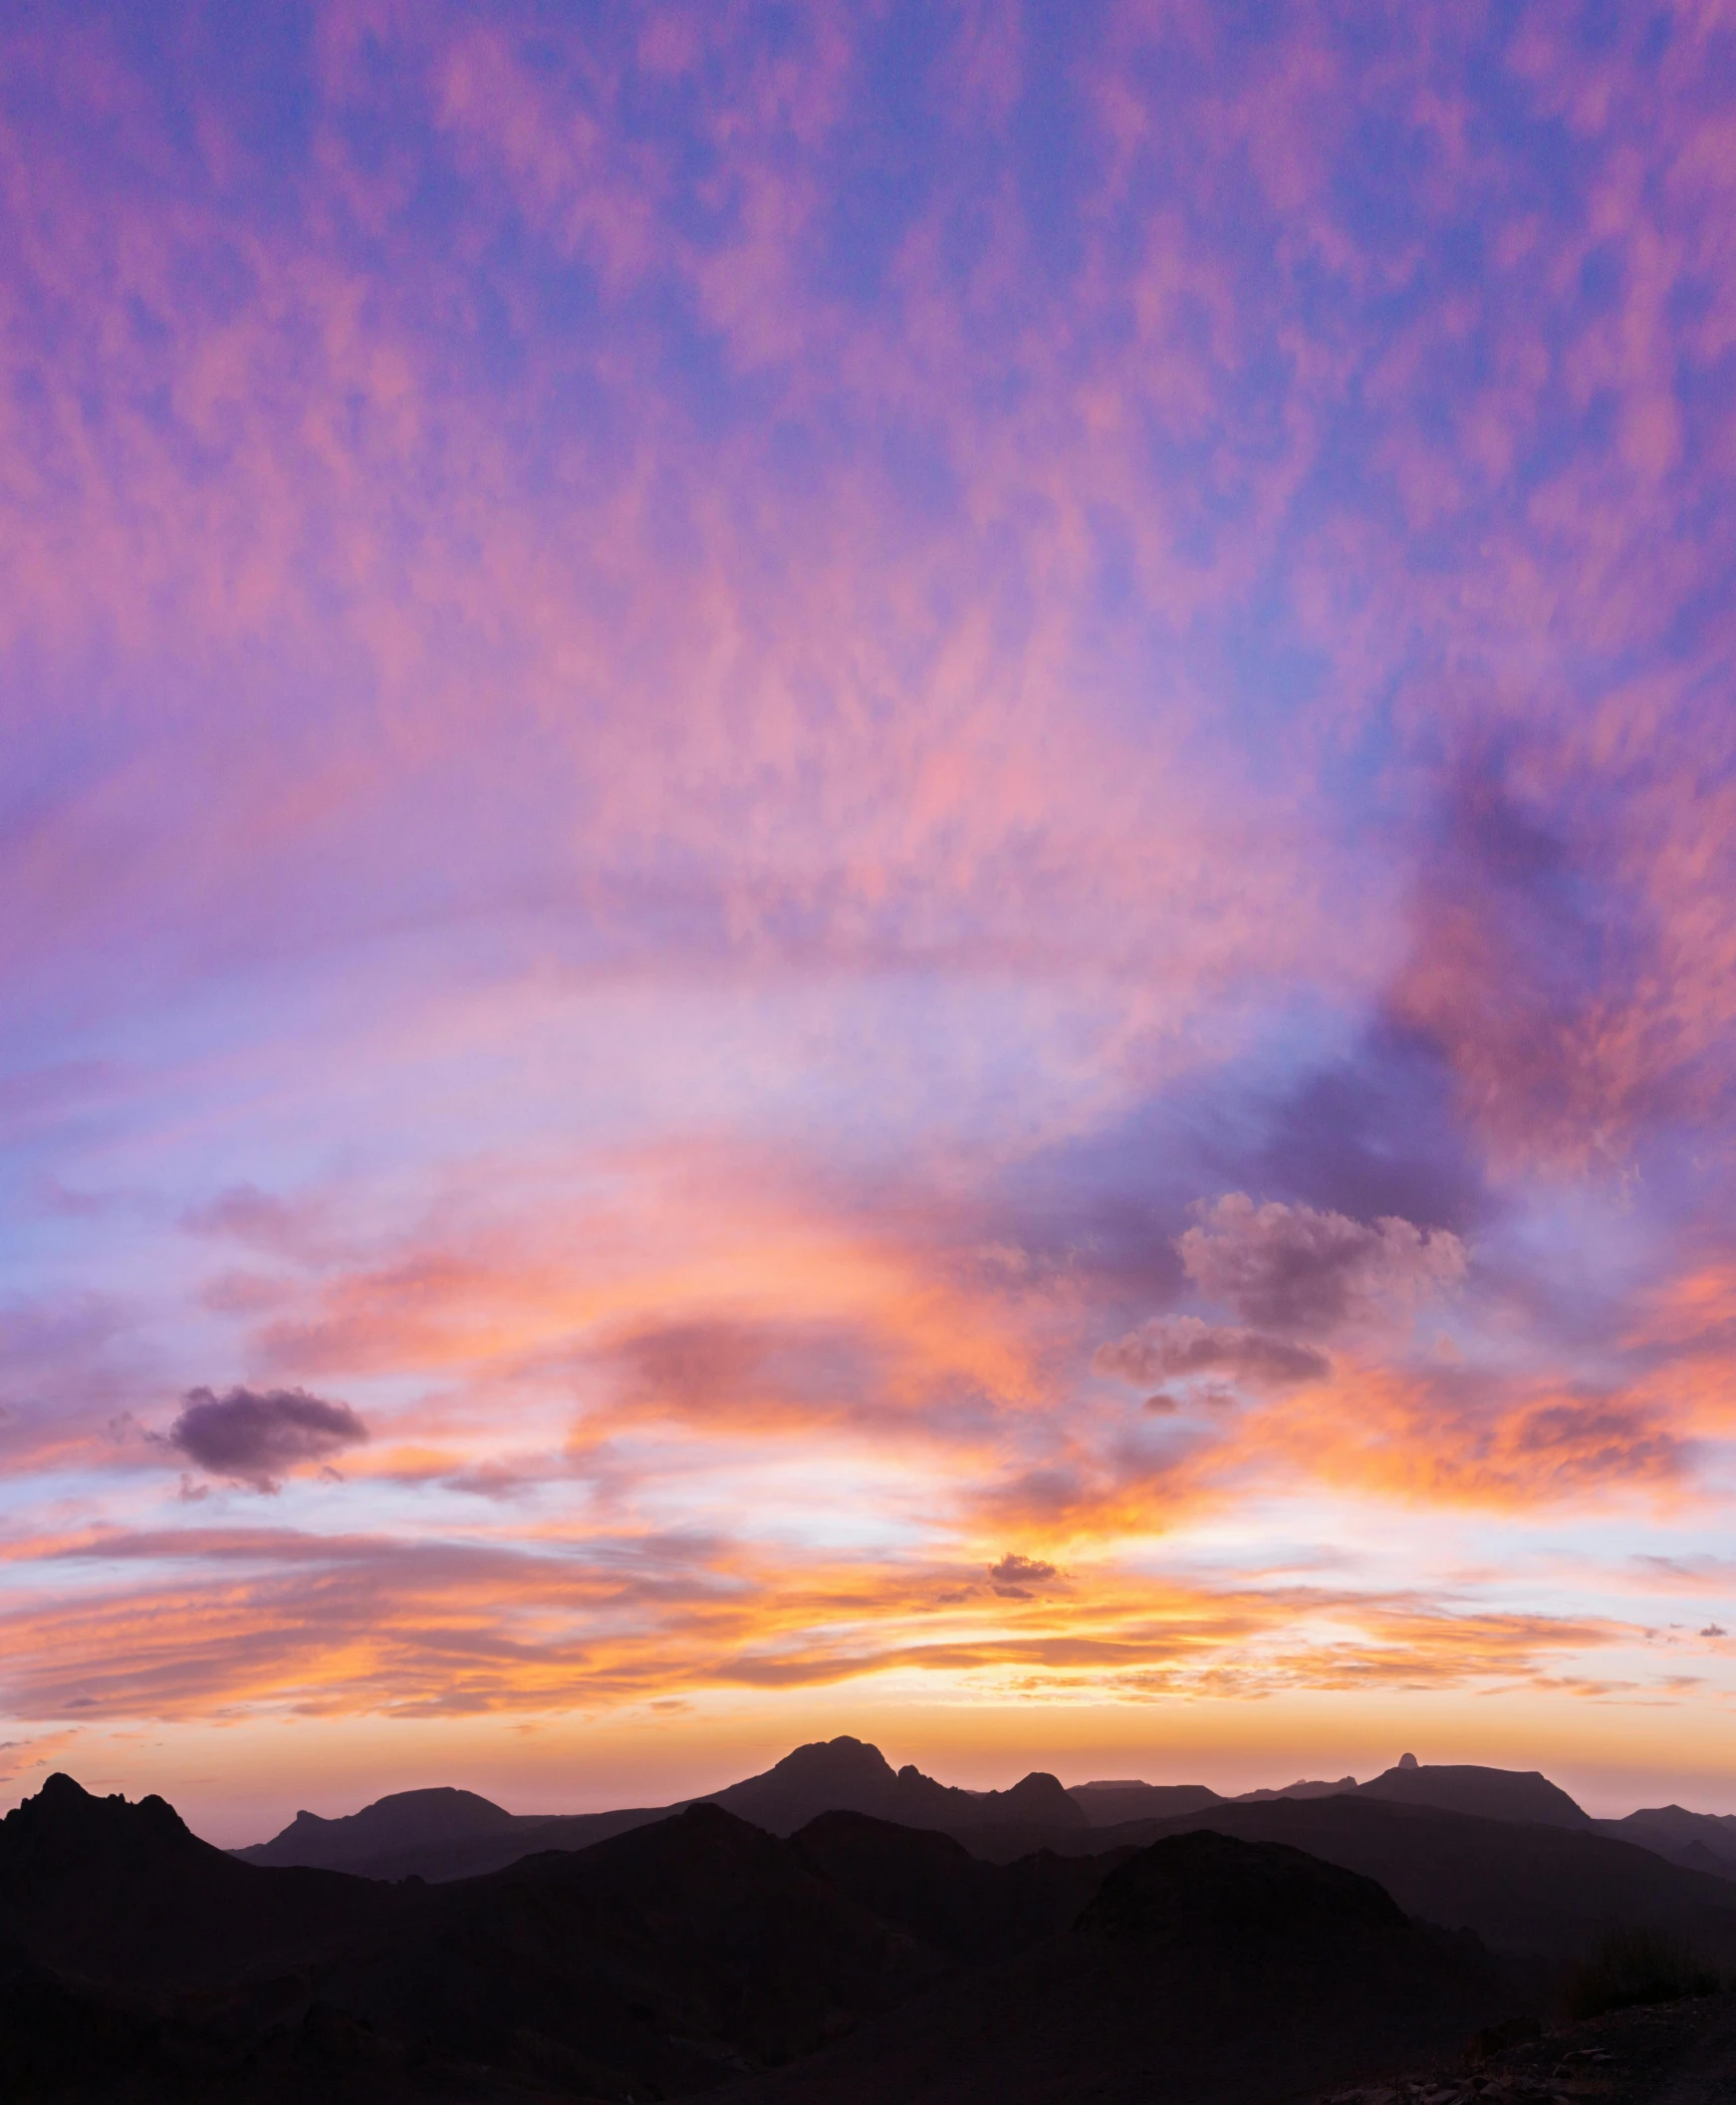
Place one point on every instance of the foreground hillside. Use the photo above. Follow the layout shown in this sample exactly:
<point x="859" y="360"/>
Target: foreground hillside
<point x="1524" y="1888"/>
<point x="691" y="1956"/>
<point x="1228" y="1954"/>
<point x="1206" y="1972"/>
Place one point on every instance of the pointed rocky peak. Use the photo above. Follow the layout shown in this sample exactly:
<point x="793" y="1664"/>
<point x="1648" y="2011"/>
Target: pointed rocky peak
<point x="918" y="1793"/>
<point x="64" y="1816"/>
<point x="827" y="1775"/>
<point x="67" y="1839"/>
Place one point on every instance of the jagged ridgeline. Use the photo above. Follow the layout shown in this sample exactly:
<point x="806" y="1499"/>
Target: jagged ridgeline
<point x="828" y="1931"/>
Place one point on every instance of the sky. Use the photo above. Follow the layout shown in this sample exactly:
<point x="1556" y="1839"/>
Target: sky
<point x="866" y="867"/>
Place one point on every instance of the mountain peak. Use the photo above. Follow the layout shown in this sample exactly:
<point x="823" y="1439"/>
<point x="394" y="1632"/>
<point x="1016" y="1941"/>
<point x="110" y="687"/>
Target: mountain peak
<point x="1489" y="1793"/>
<point x="64" y="1815"/>
<point x="60" y="1788"/>
<point x="825" y="1776"/>
<point x="400" y="1820"/>
<point x="842" y="1756"/>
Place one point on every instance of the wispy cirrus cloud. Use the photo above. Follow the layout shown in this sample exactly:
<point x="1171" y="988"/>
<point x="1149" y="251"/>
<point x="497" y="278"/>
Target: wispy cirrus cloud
<point x="458" y="1629"/>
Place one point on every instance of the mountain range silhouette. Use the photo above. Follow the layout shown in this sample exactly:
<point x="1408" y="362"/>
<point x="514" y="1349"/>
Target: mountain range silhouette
<point x="833" y="1929"/>
<point x="441" y="1834"/>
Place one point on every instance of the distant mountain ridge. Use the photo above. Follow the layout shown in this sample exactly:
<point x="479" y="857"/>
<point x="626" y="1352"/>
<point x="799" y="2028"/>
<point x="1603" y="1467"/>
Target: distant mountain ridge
<point x="447" y="1834"/>
<point x="444" y="1834"/>
<point x="1702" y="1841"/>
<point x="848" y="1775"/>
<point x="1536" y="1887"/>
<point x="1303" y="1788"/>
<point x="405" y="1820"/>
<point x="1110" y="1804"/>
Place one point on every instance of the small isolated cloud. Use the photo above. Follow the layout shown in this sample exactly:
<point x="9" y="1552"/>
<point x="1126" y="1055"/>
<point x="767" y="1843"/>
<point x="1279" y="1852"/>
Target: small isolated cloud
<point x="1169" y="1346"/>
<point x="1296" y="1268"/>
<point x="255" y="1436"/>
<point x="1014" y="1576"/>
<point x="1714" y="1629"/>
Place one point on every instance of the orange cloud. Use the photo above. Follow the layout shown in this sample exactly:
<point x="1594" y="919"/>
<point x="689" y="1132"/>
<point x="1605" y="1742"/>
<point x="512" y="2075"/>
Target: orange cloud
<point x="1461" y="1438"/>
<point x="234" y="1621"/>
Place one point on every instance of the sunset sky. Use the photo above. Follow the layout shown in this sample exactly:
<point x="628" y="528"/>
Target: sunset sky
<point x="866" y="867"/>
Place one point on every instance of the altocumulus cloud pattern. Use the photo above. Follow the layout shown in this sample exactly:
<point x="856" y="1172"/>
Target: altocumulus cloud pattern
<point x="914" y="825"/>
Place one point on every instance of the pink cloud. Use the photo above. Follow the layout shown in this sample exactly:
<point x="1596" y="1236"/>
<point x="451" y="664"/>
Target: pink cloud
<point x="1298" y="1269"/>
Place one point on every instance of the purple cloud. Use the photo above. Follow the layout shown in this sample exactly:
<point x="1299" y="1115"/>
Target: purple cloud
<point x="1294" y="1267"/>
<point x="1014" y="1576"/>
<point x="257" y="1436"/>
<point x="1171" y="1346"/>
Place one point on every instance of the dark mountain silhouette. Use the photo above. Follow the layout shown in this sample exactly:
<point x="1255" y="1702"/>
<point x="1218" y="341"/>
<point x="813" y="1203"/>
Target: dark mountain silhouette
<point x="443" y="1835"/>
<point x="700" y="1951"/>
<point x="827" y="1775"/>
<point x="472" y="1856"/>
<point x="660" y="1963"/>
<point x="1523" y="1886"/>
<point x="1490" y="1795"/>
<point x="389" y="1826"/>
<point x="1205" y="1970"/>
<point x="449" y="1834"/>
<point x="1302" y="1789"/>
<point x="123" y="1892"/>
<point x="438" y="1835"/>
<point x="1697" y="1857"/>
<point x="1110" y="1804"/>
<point x="845" y="1775"/>
<point x="64" y="2043"/>
<point x="664" y="1962"/>
<point x="930" y="1884"/>
<point x="1706" y="1841"/>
